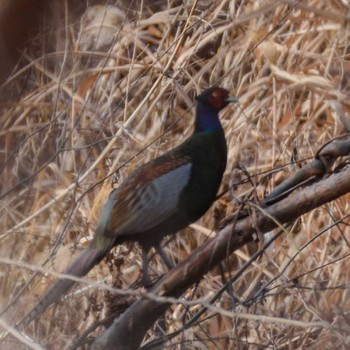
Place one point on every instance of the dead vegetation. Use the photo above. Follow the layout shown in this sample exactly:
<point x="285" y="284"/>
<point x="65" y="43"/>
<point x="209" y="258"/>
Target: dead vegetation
<point x="116" y="90"/>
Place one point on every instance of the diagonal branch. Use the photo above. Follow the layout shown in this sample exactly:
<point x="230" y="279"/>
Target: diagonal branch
<point x="128" y="331"/>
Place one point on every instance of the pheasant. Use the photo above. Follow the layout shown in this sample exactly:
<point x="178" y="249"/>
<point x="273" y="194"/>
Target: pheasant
<point x="159" y="198"/>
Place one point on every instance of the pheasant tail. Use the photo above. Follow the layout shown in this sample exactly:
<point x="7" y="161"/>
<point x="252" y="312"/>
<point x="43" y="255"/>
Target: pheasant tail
<point x="81" y="266"/>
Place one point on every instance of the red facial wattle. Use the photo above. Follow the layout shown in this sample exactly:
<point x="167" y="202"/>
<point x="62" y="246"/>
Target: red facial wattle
<point x="218" y="98"/>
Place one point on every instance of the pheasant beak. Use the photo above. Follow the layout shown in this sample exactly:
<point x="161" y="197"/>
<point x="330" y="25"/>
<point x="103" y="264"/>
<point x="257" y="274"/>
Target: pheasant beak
<point x="231" y="99"/>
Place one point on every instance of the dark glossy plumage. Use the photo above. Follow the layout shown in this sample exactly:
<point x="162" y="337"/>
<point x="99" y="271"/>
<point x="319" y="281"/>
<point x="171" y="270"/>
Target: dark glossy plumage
<point x="159" y="198"/>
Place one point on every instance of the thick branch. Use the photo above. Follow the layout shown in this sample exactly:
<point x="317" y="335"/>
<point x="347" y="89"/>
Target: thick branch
<point x="127" y="332"/>
<point x="319" y="167"/>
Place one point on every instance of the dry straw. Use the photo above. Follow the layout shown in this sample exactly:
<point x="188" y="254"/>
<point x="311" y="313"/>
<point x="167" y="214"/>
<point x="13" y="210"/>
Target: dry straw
<point x="118" y="90"/>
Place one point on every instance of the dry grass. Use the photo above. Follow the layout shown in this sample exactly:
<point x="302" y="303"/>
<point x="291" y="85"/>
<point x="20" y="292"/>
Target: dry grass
<point x="109" y="98"/>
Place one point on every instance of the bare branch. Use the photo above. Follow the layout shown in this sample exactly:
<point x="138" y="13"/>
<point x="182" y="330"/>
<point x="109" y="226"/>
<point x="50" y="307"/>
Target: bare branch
<point x="129" y="329"/>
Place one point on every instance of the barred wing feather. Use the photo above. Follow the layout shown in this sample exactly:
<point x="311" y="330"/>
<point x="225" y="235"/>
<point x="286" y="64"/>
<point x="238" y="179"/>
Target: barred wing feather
<point x="147" y="204"/>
